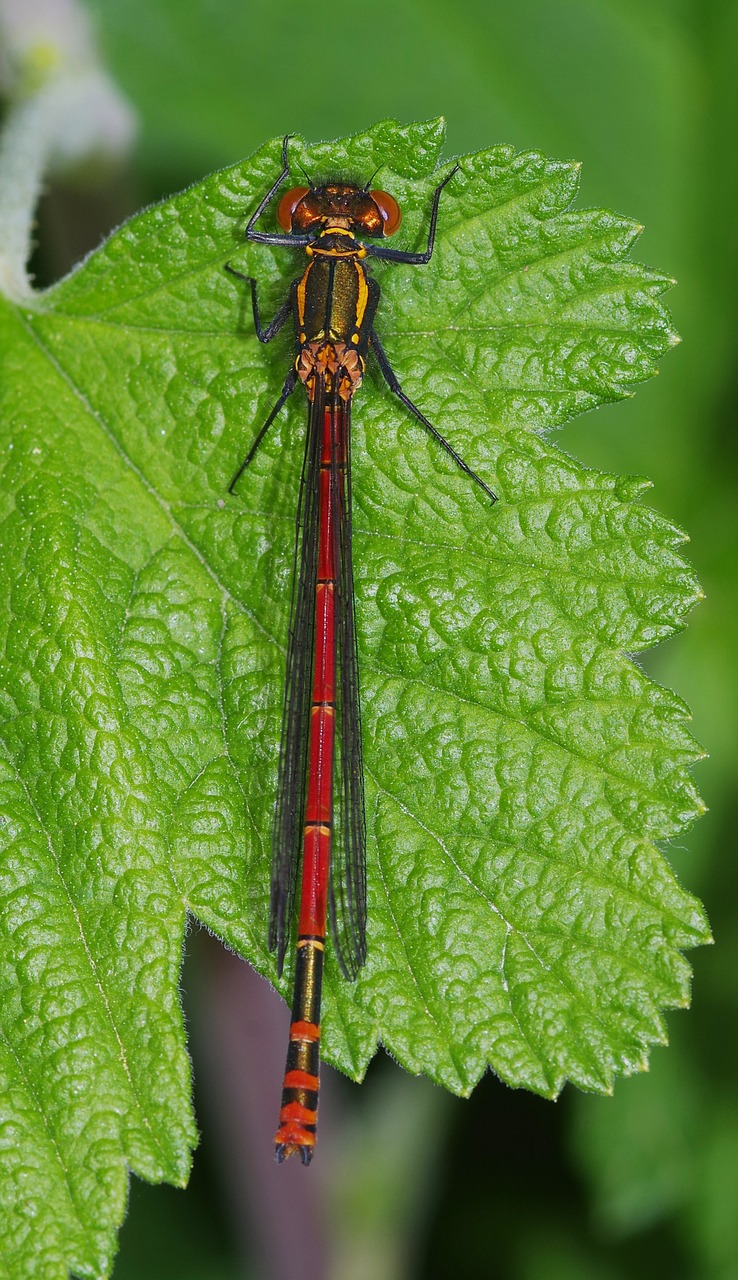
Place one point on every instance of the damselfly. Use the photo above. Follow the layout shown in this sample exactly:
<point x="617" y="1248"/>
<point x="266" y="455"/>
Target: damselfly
<point x="319" y="820"/>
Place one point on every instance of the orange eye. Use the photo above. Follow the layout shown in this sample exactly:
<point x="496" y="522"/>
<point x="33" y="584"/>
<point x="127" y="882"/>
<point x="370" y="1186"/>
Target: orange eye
<point x="287" y="206"/>
<point x="389" y="209"/>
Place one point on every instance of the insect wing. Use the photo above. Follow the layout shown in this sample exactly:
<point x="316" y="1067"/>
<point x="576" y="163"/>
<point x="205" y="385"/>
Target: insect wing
<point x="289" y="815"/>
<point x="348" y="862"/>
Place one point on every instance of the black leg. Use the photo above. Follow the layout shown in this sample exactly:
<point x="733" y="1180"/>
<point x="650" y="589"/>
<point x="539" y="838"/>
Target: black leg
<point x="273" y="189"/>
<point x="287" y="389"/>
<point x="263" y="333"/>
<point x="262" y="237"/>
<point x="415" y="259"/>
<point x="390" y="378"/>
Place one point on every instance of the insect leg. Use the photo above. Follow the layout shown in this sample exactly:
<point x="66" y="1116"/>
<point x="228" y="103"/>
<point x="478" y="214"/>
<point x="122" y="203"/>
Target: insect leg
<point x="272" y="190"/>
<point x="267" y="332"/>
<point x="390" y="378"/>
<point x="263" y="237"/>
<point x="415" y="259"/>
<point x="287" y="389"/>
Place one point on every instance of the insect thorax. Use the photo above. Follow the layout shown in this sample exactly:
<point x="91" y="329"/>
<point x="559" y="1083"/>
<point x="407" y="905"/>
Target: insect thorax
<point x="334" y="310"/>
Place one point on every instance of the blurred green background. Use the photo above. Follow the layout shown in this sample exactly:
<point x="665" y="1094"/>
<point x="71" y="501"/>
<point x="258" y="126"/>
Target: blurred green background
<point x="411" y="1183"/>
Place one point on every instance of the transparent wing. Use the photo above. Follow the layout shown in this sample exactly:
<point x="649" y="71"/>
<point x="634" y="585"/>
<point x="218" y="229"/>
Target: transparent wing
<point x="289" y="814"/>
<point x="348" y="862"/>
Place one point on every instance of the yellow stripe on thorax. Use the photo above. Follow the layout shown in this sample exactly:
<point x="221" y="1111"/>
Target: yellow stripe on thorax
<point x="301" y="291"/>
<point x="363" y="297"/>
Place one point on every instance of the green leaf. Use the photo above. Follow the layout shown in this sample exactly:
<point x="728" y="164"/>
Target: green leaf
<point x="519" y="766"/>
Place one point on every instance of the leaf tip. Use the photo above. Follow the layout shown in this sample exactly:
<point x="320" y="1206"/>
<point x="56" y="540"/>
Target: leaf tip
<point x="575" y="169"/>
<point x="630" y="488"/>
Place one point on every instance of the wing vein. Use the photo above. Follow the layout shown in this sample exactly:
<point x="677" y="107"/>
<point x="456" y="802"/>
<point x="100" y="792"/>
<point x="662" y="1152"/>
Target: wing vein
<point x="289" y="813"/>
<point x="348" y="864"/>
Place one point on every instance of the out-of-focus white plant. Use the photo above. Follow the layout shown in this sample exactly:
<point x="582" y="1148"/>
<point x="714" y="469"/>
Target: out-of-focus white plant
<point x="65" y="111"/>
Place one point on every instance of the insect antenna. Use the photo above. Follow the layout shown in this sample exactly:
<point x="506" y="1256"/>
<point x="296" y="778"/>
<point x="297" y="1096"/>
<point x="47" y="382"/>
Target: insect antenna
<point x="369" y="183"/>
<point x="300" y="165"/>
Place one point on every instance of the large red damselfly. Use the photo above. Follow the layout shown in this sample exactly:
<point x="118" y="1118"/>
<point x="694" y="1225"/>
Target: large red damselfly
<point x="319" y="815"/>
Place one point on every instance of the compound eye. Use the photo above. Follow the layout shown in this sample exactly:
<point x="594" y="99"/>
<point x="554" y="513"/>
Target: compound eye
<point x="389" y="209"/>
<point x="287" y="206"/>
